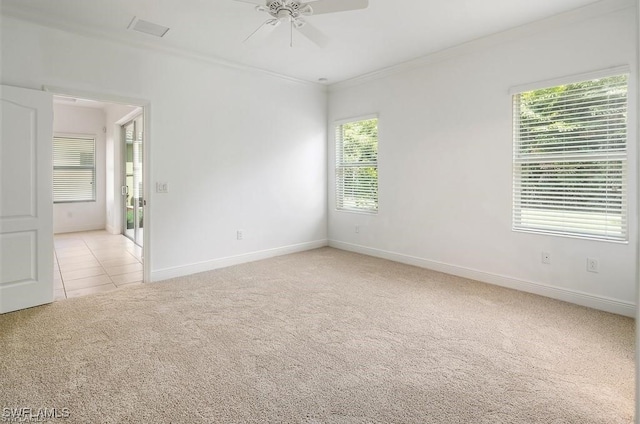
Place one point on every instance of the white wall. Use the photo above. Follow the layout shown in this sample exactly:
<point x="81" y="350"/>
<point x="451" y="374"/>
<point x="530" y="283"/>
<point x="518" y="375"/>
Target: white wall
<point x="82" y="216"/>
<point x="239" y="149"/>
<point x="445" y="161"/>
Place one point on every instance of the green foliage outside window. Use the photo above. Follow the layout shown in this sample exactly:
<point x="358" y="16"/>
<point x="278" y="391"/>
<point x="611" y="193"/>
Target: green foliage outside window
<point x="357" y="165"/>
<point x="570" y="158"/>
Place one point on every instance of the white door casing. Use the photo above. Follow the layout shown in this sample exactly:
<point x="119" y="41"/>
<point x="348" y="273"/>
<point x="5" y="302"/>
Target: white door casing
<point x="26" y="204"/>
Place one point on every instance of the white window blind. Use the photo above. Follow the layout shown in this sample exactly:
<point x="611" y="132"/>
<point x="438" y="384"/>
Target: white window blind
<point x="357" y="165"/>
<point x="570" y="159"/>
<point x="74" y="171"/>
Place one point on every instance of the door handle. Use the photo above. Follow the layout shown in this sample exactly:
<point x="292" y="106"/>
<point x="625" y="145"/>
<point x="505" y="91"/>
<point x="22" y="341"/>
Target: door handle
<point x="124" y="190"/>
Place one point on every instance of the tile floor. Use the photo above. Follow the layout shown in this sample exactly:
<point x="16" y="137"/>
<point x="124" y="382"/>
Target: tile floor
<point x="94" y="262"/>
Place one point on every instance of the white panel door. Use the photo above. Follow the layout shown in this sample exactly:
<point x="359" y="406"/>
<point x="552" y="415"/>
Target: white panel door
<point x="26" y="205"/>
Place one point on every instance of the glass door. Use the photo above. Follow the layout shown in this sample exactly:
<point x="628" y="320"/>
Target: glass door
<point x="132" y="188"/>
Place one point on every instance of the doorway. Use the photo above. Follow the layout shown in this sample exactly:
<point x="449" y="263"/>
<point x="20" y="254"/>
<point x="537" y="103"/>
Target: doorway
<point x="97" y="246"/>
<point x="133" y="188"/>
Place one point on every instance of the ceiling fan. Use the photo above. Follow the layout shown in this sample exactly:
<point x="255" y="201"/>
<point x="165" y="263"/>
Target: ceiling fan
<point x="293" y="11"/>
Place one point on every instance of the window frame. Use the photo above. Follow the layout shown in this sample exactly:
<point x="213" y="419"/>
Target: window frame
<point x="87" y="137"/>
<point x="623" y="157"/>
<point x="339" y="165"/>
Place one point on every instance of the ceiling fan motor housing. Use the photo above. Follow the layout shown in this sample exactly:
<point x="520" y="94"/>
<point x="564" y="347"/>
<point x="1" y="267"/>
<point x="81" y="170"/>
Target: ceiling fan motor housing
<point x="288" y="9"/>
<point x="292" y="12"/>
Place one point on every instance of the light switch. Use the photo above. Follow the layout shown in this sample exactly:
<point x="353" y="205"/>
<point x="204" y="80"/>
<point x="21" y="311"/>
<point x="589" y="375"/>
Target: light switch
<point x="162" y="187"/>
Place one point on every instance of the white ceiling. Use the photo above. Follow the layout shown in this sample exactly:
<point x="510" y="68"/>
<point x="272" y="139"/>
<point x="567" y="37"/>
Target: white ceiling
<point x="387" y="33"/>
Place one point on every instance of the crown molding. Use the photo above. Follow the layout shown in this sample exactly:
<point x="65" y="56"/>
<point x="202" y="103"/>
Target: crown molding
<point x="33" y="17"/>
<point x="600" y="8"/>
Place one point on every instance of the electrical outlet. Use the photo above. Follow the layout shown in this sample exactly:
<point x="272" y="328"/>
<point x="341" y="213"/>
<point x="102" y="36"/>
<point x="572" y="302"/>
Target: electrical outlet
<point x="357" y="229"/>
<point x="546" y="257"/>
<point x="593" y="265"/>
<point x="240" y="234"/>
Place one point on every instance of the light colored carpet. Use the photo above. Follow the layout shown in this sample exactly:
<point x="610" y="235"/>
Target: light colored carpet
<point x="319" y="337"/>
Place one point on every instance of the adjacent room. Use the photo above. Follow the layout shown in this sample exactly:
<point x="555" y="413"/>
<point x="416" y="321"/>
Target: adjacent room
<point x="323" y="211"/>
<point x="98" y="235"/>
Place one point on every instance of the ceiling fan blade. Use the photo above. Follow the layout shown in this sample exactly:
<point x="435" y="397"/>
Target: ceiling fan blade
<point x="258" y="2"/>
<point x="330" y="6"/>
<point x="313" y="34"/>
<point x="263" y="30"/>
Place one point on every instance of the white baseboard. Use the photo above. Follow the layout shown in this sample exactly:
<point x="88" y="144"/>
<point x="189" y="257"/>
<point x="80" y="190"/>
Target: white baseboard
<point x="179" y="271"/>
<point x="112" y="230"/>
<point x="572" y="296"/>
<point x="77" y="228"/>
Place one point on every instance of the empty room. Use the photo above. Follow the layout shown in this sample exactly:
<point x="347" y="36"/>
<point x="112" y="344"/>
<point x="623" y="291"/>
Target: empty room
<point x="323" y="211"/>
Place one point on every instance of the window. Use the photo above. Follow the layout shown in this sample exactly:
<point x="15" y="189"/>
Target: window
<point x="357" y="165"/>
<point x="74" y="169"/>
<point x="570" y="159"/>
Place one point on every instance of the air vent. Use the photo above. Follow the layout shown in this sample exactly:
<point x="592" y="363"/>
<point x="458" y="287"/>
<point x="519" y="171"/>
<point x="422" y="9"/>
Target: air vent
<point x="147" y="27"/>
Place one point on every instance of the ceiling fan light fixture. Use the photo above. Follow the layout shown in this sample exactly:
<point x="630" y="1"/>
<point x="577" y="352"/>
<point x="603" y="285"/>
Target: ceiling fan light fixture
<point x="292" y="12"/>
